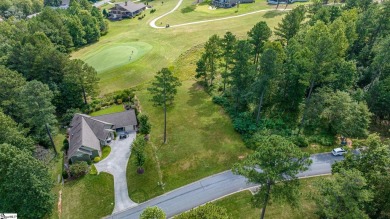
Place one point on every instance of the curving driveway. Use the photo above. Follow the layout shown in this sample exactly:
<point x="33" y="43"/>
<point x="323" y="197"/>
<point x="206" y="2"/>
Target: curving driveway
<point x="116" y="164"/>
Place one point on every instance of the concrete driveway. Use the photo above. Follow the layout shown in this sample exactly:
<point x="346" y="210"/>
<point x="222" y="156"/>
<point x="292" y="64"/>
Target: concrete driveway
<point x="116" y="164"/>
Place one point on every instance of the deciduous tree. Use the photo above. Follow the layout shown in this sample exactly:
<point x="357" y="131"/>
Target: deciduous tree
<point x="274" y="166"/>
<point x="25" y="185"/>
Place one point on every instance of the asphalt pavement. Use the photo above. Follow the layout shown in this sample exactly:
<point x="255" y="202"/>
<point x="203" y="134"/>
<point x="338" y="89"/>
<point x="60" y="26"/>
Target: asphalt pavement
<point x="214" y="187"/>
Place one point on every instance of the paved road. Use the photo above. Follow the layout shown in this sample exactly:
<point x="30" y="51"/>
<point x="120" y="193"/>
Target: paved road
<point x="116" y="164"/>
<point x="214" y="187"/>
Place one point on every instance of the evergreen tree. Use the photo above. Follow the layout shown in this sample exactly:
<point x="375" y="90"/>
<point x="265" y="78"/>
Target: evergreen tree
<point x="163" y="90"/>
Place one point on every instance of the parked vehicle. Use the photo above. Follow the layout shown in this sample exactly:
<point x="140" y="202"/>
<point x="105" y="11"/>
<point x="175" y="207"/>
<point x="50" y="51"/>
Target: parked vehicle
<point x="122" y="136"/>
<point x="338" y="151"/>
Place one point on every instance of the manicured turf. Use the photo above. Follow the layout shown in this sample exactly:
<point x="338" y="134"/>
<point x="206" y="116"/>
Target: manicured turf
<point x="105" y="151"/>
<point x="239" y="205"/>
<point x="201" y="142"/>
<point x="111" y="109"/>
<point x="115" y="55"/>
<point x="91" y="196"/>
<point x="166" y="45"/>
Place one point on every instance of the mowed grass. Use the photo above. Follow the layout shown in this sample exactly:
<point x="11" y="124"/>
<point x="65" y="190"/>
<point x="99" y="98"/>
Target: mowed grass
<point x="111" y="56"/>
<point x="201" y="142"/>
<point x="239" y="205"/>
<point x="91" y="196"/>
<point x="111" y="109"/>
<point x="166" y="45"/>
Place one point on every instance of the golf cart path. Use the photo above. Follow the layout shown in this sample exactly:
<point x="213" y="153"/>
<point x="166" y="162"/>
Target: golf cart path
<point x="153" y="22"/>
<point x="115" y="164"/>
<point x="215" y="187"/>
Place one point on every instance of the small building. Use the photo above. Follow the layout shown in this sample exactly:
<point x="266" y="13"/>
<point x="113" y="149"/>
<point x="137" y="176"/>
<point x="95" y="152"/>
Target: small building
<point x="88" y="134"/>
<point x="229" y="3"/>
<point x="125" y="10"/>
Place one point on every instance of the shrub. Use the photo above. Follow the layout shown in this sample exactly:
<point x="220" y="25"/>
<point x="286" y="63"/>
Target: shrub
<point x="78" y="169"/>
<point x="300" y="141"/>
<point x="324" y="140"/>
<point x="206" y="211"/>
<point x="119" y="101"/>
<point x="93" y="170"/>
<point x="188" y="9"/>
<point x="220" y="100"/>
<point x="65" y="174"/>
<point x="96" y="159"/>
<point x="152" y="11"/>
<point x="115" y="135"/>
<point x="145" y="125"/>
<point x="244" y="124"/>
<point x="153" y="213"/>
<point x="65" y="144"/>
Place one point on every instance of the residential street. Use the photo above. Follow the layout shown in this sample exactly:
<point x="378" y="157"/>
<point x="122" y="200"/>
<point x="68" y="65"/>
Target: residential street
<point x="214" y="187"/>
<point x="116" y="164"/>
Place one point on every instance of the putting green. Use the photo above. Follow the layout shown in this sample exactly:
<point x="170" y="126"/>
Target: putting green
<point x="115" y="55"/>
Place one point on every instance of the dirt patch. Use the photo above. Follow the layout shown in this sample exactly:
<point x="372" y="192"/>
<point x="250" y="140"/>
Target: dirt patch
<point x="186" y="165"/>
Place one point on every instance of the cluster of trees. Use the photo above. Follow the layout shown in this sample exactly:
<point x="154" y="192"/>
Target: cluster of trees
<point x="38" y="84"/>
<point x="326" y="73"/>
<point x="19" y="8"/>
<point x="360" y="187"/>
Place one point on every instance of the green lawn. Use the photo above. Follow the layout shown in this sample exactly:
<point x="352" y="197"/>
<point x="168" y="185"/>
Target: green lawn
<point x="239" y="205"/>
<point x="105" y="151"/>
<point x="201" y="142"/>
<point x="91" y="196"/>
<point x="111" y="109"/>
<point x="114" y="55"/>
<point x="164" y="46"/>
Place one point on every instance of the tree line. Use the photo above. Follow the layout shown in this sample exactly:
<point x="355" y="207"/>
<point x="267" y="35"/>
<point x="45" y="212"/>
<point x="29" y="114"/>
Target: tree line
<point x="38" y="84"/>
<point x="325" y="74"/>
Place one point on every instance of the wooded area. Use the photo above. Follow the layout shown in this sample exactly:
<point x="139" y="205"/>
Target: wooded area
<point x="39" y="83"/>
<point x="326" y="74"/>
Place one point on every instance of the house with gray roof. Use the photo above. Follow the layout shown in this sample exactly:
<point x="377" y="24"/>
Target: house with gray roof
<point x="88" y="134"/>
<point x="125" y="10"/>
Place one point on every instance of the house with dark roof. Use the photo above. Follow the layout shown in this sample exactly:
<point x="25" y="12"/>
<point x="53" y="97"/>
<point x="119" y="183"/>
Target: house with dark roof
<point x="88" y="134"/>
<point x="229" y="3"/>
<point x="125" y="10"/>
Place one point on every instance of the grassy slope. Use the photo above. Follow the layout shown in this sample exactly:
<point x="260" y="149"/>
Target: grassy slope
<point x="112" y="109"/>
<point x="239" y="205"/>
<point x="167" y="44"/>
<point x="91" y="196"/>
<point x="201" y="142"/>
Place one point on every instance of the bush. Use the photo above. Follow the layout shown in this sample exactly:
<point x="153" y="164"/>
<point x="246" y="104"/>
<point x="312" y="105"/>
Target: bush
<point x="324" y="140"/>
<point x="145" y="125"/>
<point x="153" y="213"/>
<point x="96" y="159"/>
<point x="93" y="170"/>
<point x="119" y="101"/>
<point x="152" y="11"/>
<point x="65" y="145"/>
<point x="65" y="174"/>
<point x="222" y="101"/>
<point x="115" y="135"/>
<point x="78" y="169"/>
<point x="188" y="9"/>
<point x="206" y="211"/>
<point x="244" y="124"/>
<point x="300" y="141"/>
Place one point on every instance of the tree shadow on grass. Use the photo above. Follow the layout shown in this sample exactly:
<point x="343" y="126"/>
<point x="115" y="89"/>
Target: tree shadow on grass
<point x="272" y="14"/>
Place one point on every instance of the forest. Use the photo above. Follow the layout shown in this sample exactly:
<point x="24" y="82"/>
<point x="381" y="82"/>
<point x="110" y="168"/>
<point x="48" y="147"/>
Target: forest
<point x="40" y="83"/>
<point x="324" y="73"/>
